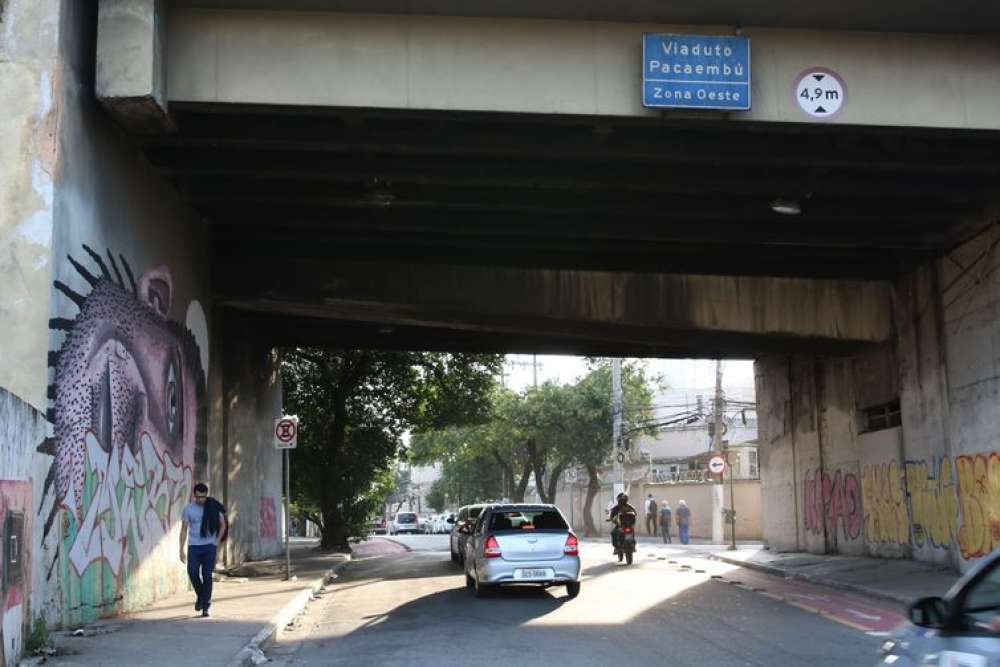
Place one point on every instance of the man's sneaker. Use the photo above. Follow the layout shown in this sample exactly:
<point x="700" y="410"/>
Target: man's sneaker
<point x="204" y="612"/>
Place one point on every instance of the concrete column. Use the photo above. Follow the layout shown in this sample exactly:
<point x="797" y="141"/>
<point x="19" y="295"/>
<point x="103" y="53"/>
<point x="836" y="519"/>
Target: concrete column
<point x="131" y="65"/>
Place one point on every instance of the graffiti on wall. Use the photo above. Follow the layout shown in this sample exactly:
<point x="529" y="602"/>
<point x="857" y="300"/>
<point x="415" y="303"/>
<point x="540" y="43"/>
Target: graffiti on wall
<point x="128" y="412"/>
<point x="15" y="571"/>
<point x="833" y="503"/>
<point x="887" y="519"/>
<point x="979" y="500"/>
<point x="933" y="502"/>
<point x="268" y="519"/>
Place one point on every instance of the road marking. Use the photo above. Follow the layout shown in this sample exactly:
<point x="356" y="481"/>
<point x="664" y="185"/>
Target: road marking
<point x="864" y="617"/>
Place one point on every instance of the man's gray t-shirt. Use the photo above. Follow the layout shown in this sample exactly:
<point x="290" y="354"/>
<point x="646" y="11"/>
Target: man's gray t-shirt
<point x="192" y="515"/>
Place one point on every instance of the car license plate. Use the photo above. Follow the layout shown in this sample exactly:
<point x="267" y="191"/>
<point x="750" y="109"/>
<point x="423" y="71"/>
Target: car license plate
<point x="533" y="573"/>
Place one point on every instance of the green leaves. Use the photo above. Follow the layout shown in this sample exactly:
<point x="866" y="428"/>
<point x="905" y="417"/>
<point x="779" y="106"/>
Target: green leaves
<point x="354" y="407"/>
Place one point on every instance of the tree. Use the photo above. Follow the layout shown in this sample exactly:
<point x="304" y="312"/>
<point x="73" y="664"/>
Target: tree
<point x="436" y="496"/>
<point x="543" y="432"/>
<point x="354" y="406"/>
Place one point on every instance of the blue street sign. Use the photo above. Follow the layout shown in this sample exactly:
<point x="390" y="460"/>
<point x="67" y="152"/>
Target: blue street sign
<point x="695" y="72"/>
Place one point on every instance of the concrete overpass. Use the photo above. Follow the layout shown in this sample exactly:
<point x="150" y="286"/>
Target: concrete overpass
<point x="193" y="183"/>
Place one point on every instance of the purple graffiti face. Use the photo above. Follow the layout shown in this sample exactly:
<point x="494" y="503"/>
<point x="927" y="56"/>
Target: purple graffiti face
<point x="126" y="379"/>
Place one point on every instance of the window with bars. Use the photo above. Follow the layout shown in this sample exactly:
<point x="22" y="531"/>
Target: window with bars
<point x="881" y="417"/>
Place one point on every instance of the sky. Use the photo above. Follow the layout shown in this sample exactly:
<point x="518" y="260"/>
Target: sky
<point x="678" y="373"/>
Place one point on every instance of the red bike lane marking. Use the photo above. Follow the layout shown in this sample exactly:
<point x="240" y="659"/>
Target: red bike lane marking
<point x="864" y="614"/>
<point x="377" y="546"/>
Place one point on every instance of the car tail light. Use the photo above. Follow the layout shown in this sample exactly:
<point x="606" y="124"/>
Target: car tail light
<point x="627" y="529"/>
<point x="572" y="546"/>
<point x="492" y="548"/>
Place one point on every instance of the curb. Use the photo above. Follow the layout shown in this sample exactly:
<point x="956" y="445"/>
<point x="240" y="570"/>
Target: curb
<point x="823" y="581"/>
<point x="252" y="652"/>
<point x="389" y="539"/>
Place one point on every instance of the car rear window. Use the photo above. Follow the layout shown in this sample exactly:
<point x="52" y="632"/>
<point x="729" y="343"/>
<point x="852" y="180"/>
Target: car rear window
<point x="474" y="512"/>
<point x="406" y="518"/>
<point x="522" y="520"/>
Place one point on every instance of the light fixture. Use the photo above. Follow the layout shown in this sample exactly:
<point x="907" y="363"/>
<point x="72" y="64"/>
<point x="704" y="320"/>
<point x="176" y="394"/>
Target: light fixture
<point x="786" y="206"/>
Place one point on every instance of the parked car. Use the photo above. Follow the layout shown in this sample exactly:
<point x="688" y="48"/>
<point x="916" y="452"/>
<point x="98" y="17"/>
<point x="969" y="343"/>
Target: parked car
<point x="447" y="521"/>
<point x="406" y="522"/>
<point x="378" y="526"/>
<point x="522" y="544"/>
<point x="962" y="628"/>
<point x="466" y="517"/>
<point x="427" y="523"/>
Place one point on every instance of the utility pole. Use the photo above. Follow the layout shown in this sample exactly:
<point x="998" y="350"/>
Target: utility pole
<point x="616" y="424"/>
<point x="718" y="497"/>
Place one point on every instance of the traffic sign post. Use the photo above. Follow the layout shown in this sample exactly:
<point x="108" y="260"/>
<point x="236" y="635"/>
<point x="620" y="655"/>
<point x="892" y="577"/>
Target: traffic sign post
<point x="286" y="437"/>
<point x="717" y="465"/>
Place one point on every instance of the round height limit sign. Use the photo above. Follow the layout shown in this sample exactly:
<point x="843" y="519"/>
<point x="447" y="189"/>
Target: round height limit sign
<point x="820" y="92"/>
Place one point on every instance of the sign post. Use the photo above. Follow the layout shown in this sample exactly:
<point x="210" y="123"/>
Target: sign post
<point x="695" y="72"/>
<point x="286" y="437"/>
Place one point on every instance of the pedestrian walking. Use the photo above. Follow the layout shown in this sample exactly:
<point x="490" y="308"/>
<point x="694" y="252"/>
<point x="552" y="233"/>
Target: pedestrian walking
<point x="203" y="527"/>
<point x="651" y="514"/>
<point x="683" y="522"/>
<point x="665" y="518"/>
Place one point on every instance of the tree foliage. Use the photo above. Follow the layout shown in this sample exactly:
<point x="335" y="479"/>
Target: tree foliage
<point x="538" y="434"/>
<point x="354" y="407"/>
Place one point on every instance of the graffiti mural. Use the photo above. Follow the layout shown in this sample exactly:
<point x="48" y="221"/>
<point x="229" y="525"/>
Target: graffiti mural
<point x="268" y="519"/>
<point x="933" y="502"/>
<point x="833" y="503"/>
<point x="979" y="499"/>
<point x="15" y="570"/>
<point x="887" y="518"/>
<point x="128" y="411"/>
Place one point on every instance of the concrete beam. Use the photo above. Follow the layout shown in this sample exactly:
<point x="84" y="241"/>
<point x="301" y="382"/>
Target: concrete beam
<point x="698" y="314"/>
<point x="560" y="67"/>
<point x="131" y="63"/>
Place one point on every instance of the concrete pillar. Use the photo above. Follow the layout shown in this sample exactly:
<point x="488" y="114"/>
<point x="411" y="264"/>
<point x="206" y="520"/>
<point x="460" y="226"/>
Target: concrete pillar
<point x="131" y="65"/>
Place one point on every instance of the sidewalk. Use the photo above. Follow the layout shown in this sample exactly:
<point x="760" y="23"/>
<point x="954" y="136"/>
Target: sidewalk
<point x="898" y="580"/>
<point x="246" y="612"/>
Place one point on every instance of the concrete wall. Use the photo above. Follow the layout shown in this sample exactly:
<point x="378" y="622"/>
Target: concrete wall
<point x="559" y="67"/>
<point x="929" y="488"/>
<point x="106" y="417"/>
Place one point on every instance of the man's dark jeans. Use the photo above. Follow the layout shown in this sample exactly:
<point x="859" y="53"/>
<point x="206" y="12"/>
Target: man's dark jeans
<point x="201" y="564"/>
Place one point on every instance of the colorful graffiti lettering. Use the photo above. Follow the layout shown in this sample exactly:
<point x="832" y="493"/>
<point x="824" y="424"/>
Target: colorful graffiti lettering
<point x="832" y="503"/>
<point x="887" y="518"/>
<point x="933" y="503"/>
<point x="128" y="410"/>
<point x="979" y="499"/>
<point x="268" y="519"/>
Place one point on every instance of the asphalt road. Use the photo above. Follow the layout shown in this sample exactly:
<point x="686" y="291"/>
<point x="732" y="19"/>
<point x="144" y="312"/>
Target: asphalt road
<point x="397" y="607"/>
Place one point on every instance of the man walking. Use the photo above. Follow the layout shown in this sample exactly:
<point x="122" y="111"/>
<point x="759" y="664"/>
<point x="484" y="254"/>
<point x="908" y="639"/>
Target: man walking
<point x="665" y="513"/>
<point x="651" y="514"/>
<point x="683" y="522"/>
<point x="203" y="527"/>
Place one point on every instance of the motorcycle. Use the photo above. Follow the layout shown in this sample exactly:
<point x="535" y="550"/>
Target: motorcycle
<point x="626" y="537"/>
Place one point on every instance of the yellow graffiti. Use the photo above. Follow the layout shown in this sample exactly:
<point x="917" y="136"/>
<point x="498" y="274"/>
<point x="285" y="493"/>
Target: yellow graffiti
<point x="886" y="517"/>
<point x="979" y="499"/>
<point x="933" y="504"/>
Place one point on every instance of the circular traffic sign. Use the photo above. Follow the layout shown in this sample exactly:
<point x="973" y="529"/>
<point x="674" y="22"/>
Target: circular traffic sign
<point x="717" y="465"/>
<point x="820" y="92"/>
<point x="285" y="430"/>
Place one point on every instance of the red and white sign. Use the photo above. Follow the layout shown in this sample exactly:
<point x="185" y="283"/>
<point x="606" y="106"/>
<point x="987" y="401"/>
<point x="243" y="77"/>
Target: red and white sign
<point x="286" y="432"/>
<point x="717" y="465"/>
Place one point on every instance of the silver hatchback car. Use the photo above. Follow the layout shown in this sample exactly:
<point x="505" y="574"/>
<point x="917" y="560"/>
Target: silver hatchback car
<point x="522" y="544"/>
<point x="962" y="629"/>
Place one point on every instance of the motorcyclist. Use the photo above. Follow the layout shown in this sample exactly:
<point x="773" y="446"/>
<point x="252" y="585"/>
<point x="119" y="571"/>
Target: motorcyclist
<point x="616" y="515"/>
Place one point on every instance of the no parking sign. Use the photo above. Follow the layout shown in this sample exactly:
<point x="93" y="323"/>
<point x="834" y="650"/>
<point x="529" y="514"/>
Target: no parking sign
<point x="286" y="432"/>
